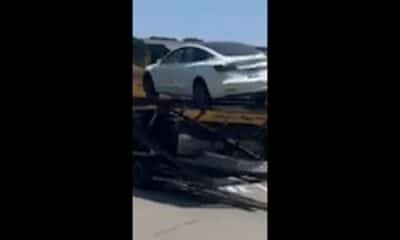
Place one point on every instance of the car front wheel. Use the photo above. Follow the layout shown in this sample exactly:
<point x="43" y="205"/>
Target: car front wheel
<point x="201" y="95"/>
<point x="148" y="87"/>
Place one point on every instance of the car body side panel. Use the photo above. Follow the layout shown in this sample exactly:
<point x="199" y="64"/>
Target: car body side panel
<point x="162" y="75"/>
<point x="171" y="85"/>
<point x="191" y="71"/>
<point x="213" y="80"/>
<point x="184" y="78"/>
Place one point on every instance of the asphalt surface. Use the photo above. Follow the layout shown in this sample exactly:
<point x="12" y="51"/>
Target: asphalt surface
<point x="171" y="215"/>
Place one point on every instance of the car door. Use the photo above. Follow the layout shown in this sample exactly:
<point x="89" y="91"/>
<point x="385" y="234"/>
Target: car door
<point x="185" y="75"/>
<point x="177" y="73"/>
<point x="166" y="81"/>
<point x="184" y="71"/>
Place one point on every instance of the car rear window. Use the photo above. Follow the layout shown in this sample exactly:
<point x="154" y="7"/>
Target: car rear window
<point x="232" y="49"/>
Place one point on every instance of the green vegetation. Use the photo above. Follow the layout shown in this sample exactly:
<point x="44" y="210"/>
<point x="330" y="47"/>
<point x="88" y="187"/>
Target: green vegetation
<point x="157" y="51"/>
<point x="141" y="53"/>
<point x="144" y="54"/>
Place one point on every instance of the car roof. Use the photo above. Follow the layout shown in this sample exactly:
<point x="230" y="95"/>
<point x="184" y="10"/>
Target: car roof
<point x="209" y="46"/>
<point x="205" y="44"/>
<point x="191" y="45"/>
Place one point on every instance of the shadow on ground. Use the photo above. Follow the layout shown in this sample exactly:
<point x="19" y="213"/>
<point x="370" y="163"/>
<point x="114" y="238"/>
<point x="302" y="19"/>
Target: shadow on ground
<point x="177" y="198"/>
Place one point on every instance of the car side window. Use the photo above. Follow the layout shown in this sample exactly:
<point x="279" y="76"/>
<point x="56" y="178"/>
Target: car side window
<point x="201" y="55"/>
<point x="174" y="57"/>
<point x="195" y="55"/>
<point x="188" y="55"/>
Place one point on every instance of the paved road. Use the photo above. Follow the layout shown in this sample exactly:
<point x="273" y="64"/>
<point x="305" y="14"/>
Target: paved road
<point x="177" y="216"/>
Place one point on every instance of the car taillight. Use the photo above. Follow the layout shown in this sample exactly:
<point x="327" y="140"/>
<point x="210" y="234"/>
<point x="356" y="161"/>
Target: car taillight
<point x="225" y="68"/>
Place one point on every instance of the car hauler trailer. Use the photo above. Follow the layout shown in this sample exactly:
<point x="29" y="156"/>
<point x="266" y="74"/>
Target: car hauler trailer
<point x="253" y="116"/>
<point x="179" y="145"/>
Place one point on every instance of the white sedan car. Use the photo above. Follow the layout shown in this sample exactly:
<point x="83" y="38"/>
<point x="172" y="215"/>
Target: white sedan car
<point x="206" y="71"/>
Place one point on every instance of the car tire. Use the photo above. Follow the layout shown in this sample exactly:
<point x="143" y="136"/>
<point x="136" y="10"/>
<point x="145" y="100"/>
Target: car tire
<point x="201" y="95"/>
<point x="148" y="87"/>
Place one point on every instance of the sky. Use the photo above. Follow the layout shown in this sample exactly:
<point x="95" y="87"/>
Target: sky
<point x="212" y="20"/>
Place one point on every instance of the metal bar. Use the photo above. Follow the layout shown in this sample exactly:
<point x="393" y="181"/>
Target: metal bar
<point x="212" y="193"/>
<point x="229" y="141"/>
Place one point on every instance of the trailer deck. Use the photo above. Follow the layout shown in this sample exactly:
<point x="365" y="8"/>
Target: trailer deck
<point x="160" y="124"/>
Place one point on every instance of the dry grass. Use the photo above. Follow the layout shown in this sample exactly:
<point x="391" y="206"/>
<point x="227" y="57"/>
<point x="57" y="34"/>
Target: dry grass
<point x="137" y="73"/>
<point x="137" y="76"/>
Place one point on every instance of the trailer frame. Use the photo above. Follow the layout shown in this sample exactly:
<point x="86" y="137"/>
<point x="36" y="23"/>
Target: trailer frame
<point x="154" y="165"/>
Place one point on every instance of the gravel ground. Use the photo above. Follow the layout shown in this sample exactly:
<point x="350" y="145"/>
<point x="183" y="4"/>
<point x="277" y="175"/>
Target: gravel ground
<point x="177" y="216"/>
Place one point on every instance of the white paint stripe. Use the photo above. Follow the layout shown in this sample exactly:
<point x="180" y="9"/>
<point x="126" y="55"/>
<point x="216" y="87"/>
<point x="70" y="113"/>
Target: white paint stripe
<point x="262" y="187"/>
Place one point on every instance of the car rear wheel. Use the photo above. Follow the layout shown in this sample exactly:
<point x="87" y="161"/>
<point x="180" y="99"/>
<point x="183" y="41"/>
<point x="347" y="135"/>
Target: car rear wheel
<point x="201" y="95"/>
<point x="148" y="86"/>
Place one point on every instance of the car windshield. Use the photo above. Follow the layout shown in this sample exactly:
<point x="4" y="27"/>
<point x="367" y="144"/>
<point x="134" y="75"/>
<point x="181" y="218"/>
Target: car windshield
<point x="232" y="49"/>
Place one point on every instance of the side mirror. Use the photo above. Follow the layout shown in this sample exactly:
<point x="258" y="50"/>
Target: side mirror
<point x="159" y="61"/>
